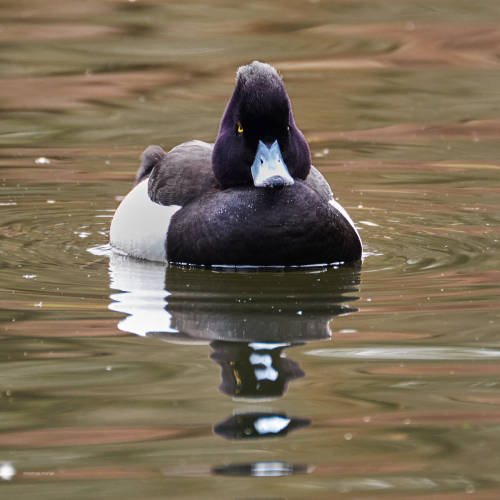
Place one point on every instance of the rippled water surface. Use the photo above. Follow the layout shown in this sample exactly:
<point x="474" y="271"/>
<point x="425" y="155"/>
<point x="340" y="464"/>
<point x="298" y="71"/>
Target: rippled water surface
<point x="121" y="379"/>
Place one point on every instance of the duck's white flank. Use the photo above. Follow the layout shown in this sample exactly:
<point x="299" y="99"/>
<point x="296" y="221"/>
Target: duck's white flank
<point x="139" y="227"/>
<point x="343" y="211"/>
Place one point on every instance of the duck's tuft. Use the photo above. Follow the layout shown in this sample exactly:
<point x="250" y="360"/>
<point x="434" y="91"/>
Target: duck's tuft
<point x="257" y="74"/>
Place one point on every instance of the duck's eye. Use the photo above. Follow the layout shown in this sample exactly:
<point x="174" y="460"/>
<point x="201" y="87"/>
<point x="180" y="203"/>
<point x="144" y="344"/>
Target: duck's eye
<point x="240" y="128"/>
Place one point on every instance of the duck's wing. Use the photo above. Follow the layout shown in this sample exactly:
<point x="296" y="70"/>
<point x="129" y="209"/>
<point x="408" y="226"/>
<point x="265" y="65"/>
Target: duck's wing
<point x="316" y="181"/>
<point x="180" y="175"/>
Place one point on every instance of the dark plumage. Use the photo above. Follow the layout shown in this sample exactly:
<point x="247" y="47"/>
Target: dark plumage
<point x="253" y="197"/>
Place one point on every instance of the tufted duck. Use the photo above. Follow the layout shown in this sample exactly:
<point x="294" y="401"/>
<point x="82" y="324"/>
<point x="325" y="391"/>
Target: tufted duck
<point x="251" y="199"/>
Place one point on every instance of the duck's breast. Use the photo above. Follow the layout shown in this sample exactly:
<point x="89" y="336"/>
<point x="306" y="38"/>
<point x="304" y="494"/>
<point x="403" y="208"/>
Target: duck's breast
<point x="262" y="227"/>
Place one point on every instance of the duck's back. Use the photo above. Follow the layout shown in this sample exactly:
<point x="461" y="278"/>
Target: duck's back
<point x="182" y="174"/>
<point x="165" y="182"/>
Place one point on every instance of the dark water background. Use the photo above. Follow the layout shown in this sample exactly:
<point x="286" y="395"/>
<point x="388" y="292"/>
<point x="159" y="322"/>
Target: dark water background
<point x="400" y="102"/>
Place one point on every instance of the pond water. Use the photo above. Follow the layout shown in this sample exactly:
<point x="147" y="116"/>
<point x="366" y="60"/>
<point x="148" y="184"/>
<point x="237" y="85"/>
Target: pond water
<point x="121" y="379"/>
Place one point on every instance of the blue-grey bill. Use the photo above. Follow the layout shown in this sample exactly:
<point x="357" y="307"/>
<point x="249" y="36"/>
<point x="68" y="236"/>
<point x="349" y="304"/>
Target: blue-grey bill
<point x="268" y="168"/>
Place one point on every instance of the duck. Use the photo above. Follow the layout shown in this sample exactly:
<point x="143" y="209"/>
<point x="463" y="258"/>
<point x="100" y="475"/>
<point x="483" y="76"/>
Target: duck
<point x="252" y="198"/>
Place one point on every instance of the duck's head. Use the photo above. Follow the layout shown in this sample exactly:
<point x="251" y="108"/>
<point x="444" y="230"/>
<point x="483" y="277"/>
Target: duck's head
<point x="258" y="142"/>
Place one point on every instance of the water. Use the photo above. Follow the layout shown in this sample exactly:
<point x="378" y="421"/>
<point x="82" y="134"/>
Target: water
<point x="121" y="380"/>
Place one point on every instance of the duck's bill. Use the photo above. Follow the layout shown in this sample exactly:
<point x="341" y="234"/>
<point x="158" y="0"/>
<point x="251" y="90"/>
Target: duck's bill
<point x="269" y="169"/>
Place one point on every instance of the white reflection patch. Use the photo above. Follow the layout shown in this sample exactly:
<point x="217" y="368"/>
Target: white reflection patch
<point x="410" y="352"/>
<point x="271" y="425"/>
<point x="263" y="346"/>
<point x="142" y="295"/>
<point x="267" y="373"/>
<point x="7" y="471"/>
<point x="261" y="359"/>
<point x="270" y="469"/>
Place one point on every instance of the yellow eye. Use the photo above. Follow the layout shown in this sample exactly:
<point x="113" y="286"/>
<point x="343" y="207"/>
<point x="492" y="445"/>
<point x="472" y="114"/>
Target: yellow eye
<point x="240" y="128"/>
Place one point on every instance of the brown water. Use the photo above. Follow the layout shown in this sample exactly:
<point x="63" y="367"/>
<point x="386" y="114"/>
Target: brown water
<point x="400" y="102"/>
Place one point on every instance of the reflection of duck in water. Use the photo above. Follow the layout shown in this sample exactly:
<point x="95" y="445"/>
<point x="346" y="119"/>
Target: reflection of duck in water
<point x="248" y="318"/>
<point x="256" y="425"/>
<point x="254" y="370"/>
<point x="193" y="305"/>
<point x="262" y="469"/>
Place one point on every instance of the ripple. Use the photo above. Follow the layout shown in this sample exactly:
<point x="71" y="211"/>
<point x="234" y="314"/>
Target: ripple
<point x="415" y="246"/>
<point x="429" y="215"/>
<point x="412" y="239"/>
<point x="101" y="250"/>
<point x="406" y="353"/>
<point x="36" y="231"/>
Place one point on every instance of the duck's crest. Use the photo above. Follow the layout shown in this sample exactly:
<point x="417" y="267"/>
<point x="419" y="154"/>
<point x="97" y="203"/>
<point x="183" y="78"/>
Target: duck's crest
<point x="257" y="73"/>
